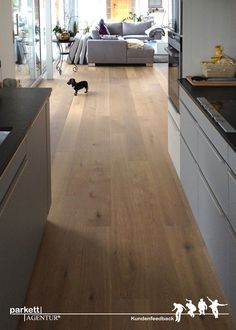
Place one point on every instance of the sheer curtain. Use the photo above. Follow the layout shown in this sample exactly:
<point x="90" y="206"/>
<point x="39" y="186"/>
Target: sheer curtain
<point x="90" y="12"/>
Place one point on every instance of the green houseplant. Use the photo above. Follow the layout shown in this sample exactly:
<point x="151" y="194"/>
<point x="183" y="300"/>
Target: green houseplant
<point x="61" y="34"/>
<point x="133" y="17"/>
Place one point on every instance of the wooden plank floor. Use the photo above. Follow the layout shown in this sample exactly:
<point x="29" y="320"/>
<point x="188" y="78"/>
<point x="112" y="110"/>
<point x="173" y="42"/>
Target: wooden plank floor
<point x="120" y="236"/>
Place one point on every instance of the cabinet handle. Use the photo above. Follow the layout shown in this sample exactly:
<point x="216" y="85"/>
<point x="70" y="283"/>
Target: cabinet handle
<point x="212" y="196"/>
<point x="232" y="175"/>
<point x="215" y="152"/>
<point x="172" y="121"/>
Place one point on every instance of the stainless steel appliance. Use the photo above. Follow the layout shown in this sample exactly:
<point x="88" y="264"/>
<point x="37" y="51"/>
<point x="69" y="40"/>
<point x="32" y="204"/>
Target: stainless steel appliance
<point x="176" y="15"/>
<point x="222" y="111"/>
<point x="174" y="51"/>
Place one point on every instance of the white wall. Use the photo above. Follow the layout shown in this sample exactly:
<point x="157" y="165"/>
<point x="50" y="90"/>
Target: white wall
<point x="206" y="24"/>
<point x="7" y="56"/>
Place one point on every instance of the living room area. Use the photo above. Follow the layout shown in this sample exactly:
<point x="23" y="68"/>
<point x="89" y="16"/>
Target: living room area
<point x="36" y="56"/>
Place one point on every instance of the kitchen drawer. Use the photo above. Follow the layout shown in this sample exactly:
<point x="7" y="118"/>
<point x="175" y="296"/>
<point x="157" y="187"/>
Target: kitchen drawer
<point x="215" y="230"/>
<point x="189" y="130"/>
<point x="174" y="143"/>
<point x="175" y="115"/>
<point x="189" y="177"/>
<point x="205" y="124"/>
<point x="11" y="170"/>
<point x="214" y="169"/>
<point x="232" y="198"/>
<point x="189" y="103"/>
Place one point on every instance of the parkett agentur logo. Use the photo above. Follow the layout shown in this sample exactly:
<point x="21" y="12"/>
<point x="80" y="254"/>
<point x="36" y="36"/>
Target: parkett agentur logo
<point x="34" y="314"/>
<point x="189" y="309"/>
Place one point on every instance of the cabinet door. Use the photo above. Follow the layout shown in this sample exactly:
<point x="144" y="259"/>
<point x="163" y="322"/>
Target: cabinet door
<point x="38" y="160"/>
<point x="188" y="128"/>
<point x="232" y="198"/>
<point x="214" y="169"/>
<point x="174" y="143"/>
<point x="189" y="177"/>
<point x="214" y="228"/>
<point x="17" y="246"/>
<point x="232" y="272"/>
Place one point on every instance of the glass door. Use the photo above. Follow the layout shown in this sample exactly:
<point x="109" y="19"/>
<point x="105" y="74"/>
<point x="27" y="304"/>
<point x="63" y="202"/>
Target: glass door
<point x="29" y="39"/>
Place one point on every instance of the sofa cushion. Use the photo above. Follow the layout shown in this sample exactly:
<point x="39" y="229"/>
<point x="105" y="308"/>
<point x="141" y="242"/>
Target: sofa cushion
<point x="109" y="37"/>
<point x="95" y="34"/>
<point x="102" y="51"/>
<point x="115" y="28"/>
<point x="130" y="28"/>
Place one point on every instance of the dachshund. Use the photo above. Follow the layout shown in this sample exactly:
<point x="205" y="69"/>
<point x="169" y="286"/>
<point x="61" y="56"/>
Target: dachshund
<point x="78" y="85"/>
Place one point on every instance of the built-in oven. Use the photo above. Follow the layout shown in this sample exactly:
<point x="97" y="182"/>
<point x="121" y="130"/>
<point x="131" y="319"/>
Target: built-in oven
<point x="174" y="51"/>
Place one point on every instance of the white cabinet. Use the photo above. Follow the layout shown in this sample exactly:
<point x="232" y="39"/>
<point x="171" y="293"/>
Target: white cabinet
<point x="174" y="143"/>
<point x="232" y="198"/>
<point x="189" y="129"/>
<point x="189" y="176"/>
<point x="16" y="247"/>
<point x="214" y="228"/>
<point x="207" y="172"/>
<point x="24" y="205"/>
<point x="174" y="137"/>
<point x="214" y="169"/>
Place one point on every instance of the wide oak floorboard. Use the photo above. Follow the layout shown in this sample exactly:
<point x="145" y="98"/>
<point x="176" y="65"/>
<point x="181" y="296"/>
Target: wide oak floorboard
<point x="120" y="236"/>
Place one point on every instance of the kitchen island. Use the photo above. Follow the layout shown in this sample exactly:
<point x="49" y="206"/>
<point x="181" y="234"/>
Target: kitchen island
<point x="25" y="190"/>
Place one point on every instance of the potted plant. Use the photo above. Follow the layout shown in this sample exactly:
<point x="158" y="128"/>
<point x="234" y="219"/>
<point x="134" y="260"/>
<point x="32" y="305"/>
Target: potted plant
<point x="133" y="17"/>
<point x="61" y="34"/>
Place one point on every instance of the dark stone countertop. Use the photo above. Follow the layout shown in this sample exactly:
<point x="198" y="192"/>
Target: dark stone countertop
<point x="18" y="108"/>
<point x="214" y="93"/>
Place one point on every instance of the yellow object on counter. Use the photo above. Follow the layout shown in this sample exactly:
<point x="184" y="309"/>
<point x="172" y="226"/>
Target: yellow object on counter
<point x="215" y="59"/>
<point x="218" y="50"/>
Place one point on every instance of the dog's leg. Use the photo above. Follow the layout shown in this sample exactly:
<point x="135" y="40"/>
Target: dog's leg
<point x="75" y="93"/>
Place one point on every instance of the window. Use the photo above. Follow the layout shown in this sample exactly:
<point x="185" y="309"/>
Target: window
<point x="119" y="9"/>
<point x="154" y="3"/>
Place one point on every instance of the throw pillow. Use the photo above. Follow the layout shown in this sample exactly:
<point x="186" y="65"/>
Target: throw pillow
<point x="135" y="43"/>
<point x="103" y="30"/>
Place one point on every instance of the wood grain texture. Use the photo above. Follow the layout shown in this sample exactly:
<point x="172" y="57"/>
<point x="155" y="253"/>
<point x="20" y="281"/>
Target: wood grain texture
<point x="120" y="236"/>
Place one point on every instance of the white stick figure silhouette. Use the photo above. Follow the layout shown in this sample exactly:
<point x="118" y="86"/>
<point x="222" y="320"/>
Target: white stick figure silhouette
<point x="179" y="310"/>
<point x="192" y="308"/>
<point x="214" y="307"/>
<point x="202" y="306"/>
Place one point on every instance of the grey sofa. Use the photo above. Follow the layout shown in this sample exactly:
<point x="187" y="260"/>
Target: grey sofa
<point x="113" y="49"/>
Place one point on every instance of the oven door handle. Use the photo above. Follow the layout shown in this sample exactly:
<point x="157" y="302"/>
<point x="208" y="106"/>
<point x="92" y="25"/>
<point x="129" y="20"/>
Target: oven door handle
<point x="172" y="52"/>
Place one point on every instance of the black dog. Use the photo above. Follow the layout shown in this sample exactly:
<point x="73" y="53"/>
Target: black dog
<point x="78" y="85"/>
